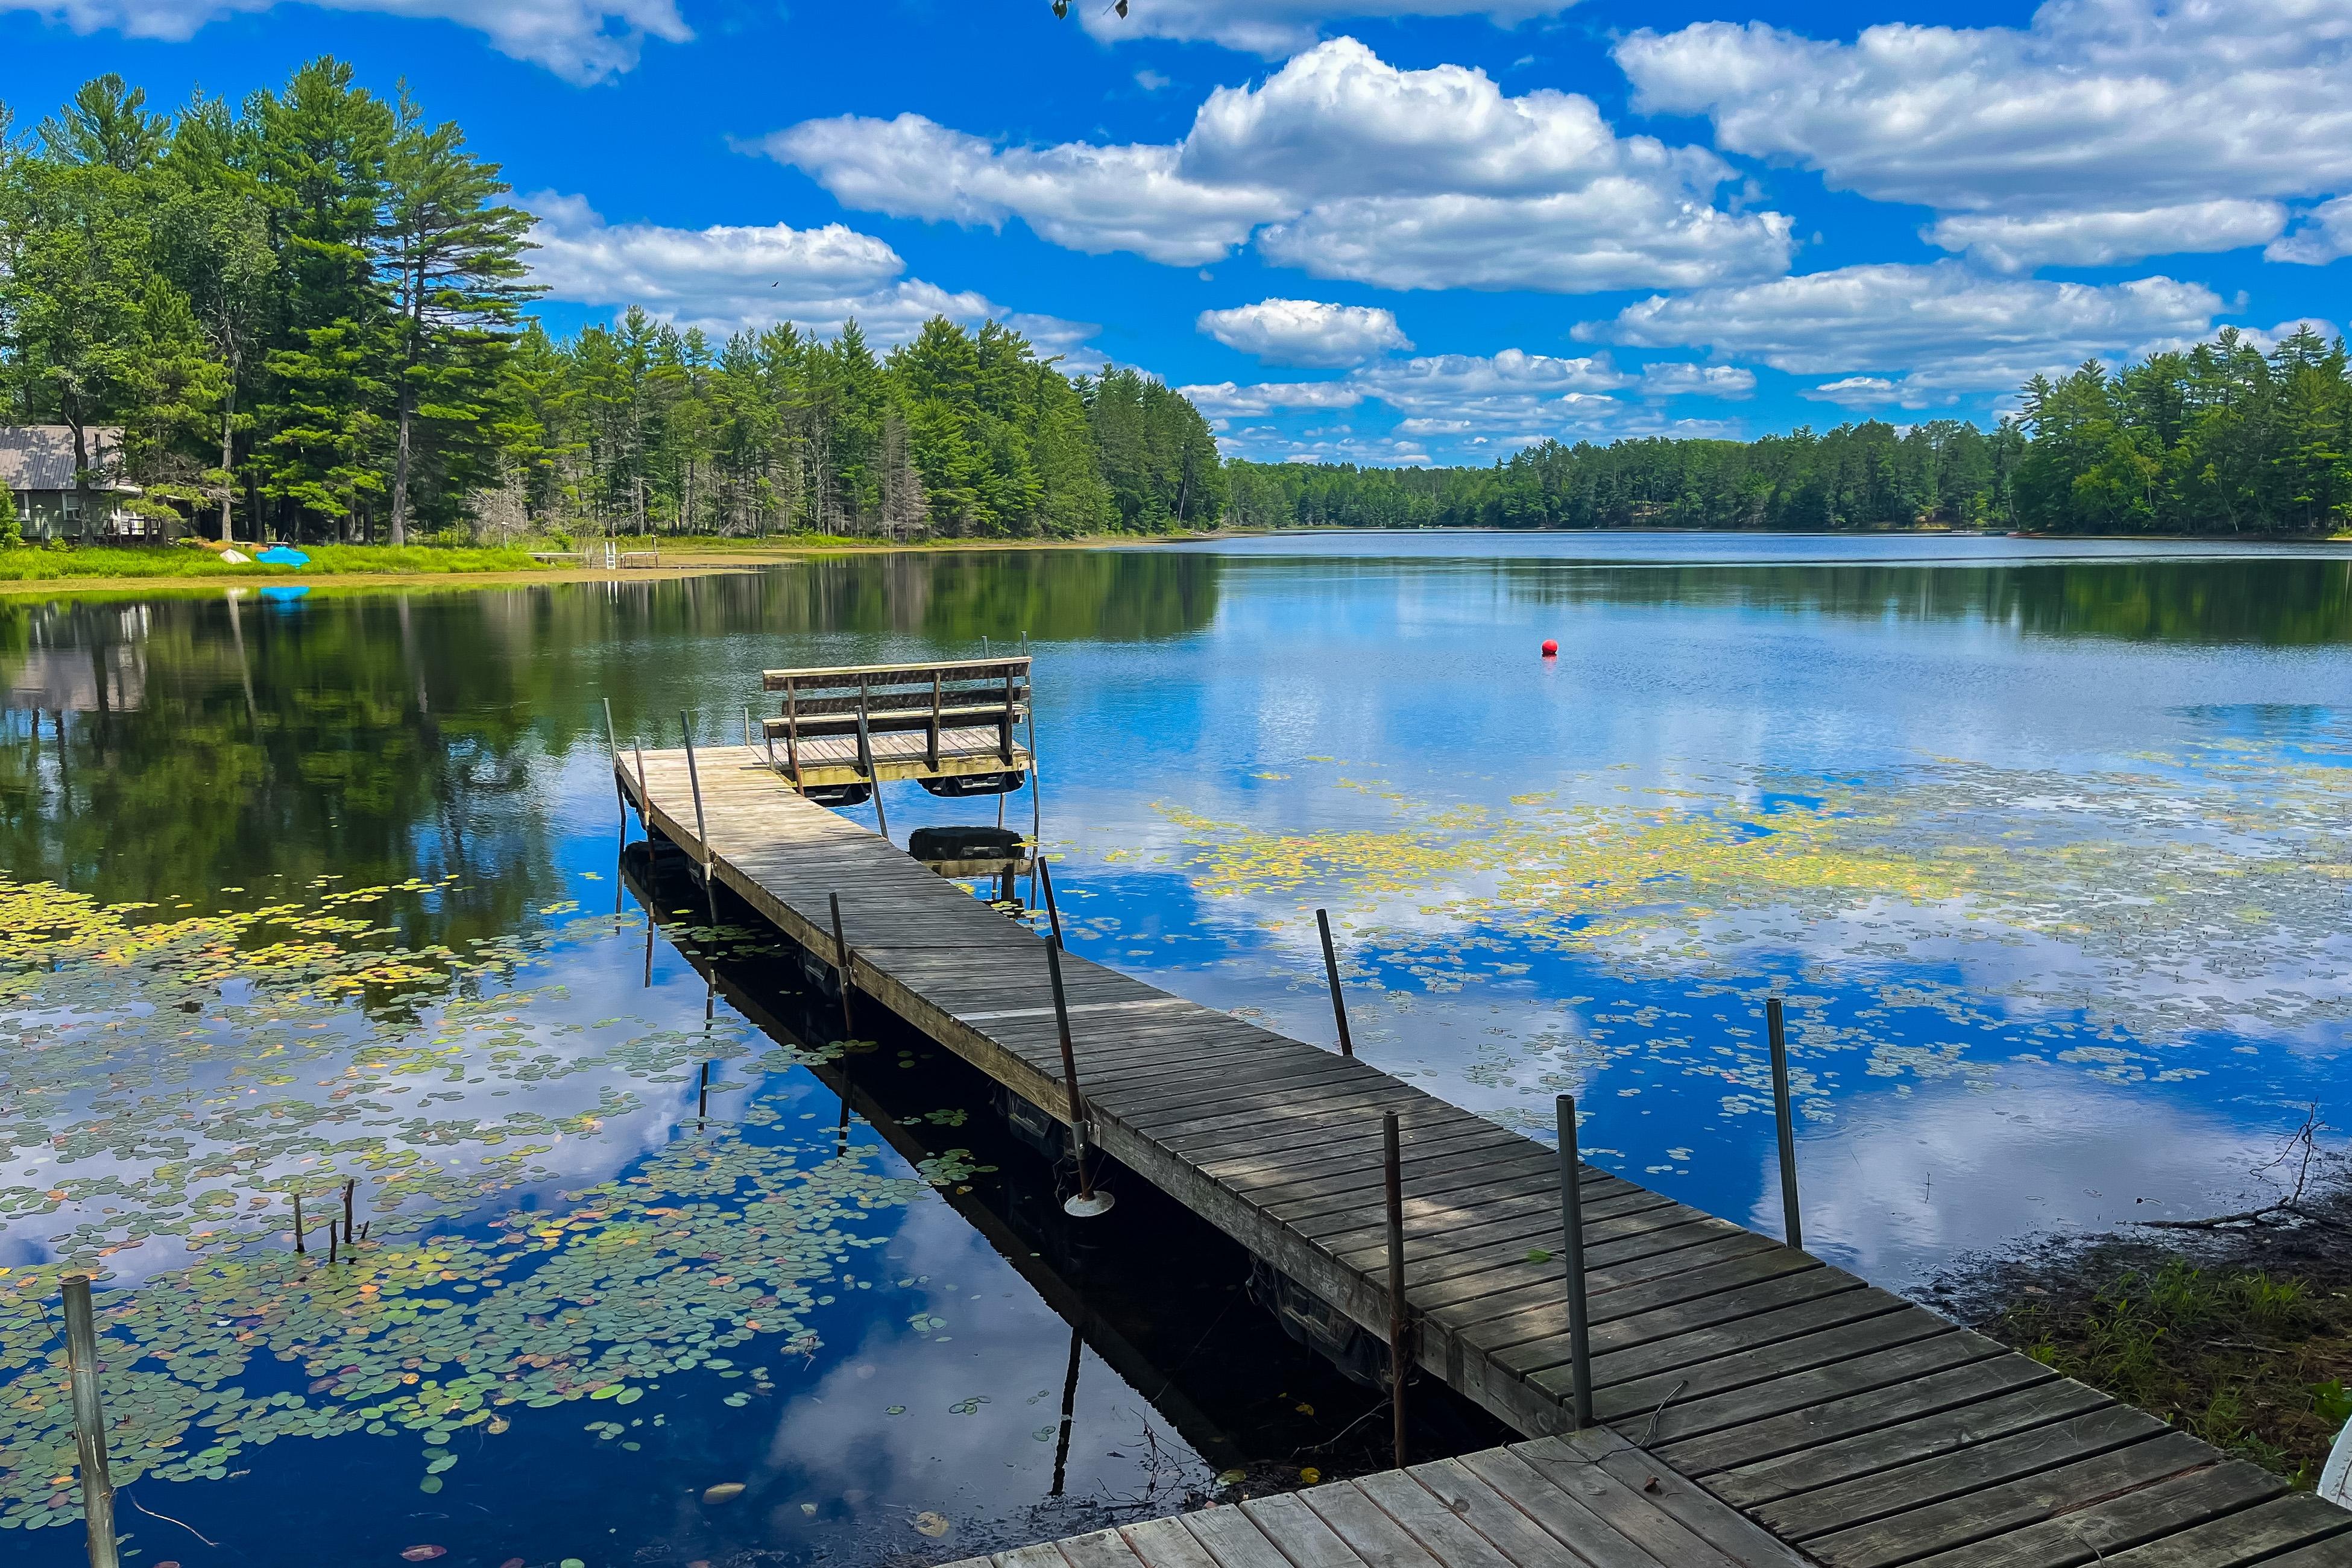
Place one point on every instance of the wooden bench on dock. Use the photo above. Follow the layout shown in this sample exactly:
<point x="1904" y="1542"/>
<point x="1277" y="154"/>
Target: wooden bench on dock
<point x="955" y="727"/>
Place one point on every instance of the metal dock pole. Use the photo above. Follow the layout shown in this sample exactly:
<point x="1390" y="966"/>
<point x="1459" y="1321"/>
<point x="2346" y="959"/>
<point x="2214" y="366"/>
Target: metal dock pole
<point x="1331" y="972"/>
<point x="613" y="744"/>
<point x="1572" y="1223"/>
<point x="841" y="965"/>
<point x="702" y="831"/>
<point x="1792" y="1226"/>
<point x="1045" y="881"/>
<point x="1088" y="1202"/>
<point x="1400" y="1328"/>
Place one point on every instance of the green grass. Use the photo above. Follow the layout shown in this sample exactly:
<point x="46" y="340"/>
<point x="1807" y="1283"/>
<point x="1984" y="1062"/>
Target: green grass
<point x="173" y="562"/>
<point x="2251" y="1363"/>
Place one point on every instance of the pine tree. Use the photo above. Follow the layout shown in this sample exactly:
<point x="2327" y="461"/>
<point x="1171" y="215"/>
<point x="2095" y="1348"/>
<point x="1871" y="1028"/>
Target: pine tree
<point x="323" y="146"/>
<point x="453" y="255"/>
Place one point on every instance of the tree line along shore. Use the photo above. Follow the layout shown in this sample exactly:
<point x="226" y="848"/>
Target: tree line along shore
<point x="306" y="317"/>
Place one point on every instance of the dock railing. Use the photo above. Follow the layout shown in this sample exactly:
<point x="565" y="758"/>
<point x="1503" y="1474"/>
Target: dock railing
<point x="955" y="726"/>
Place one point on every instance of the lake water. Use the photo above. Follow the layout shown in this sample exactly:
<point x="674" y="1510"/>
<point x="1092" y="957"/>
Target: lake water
<point x="2049" y="847"/>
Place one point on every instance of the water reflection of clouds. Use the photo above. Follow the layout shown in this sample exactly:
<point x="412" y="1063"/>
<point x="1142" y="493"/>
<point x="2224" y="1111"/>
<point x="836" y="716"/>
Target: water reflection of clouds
<point x="1912" y="1181"/>
<point x="978" y="1410"/>
<point x="573" y="1005"/>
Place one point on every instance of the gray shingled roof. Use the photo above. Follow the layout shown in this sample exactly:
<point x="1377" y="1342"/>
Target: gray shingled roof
<point x="40" y="457"/>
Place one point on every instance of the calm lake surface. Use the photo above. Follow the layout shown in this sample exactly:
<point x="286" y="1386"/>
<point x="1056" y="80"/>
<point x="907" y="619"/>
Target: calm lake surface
<point x="2049" y="847"/>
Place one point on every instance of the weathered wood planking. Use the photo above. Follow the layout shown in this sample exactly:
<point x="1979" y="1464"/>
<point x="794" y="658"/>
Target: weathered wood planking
<point x="1544" y="1504"/>
<point x="1788" y="1412"/>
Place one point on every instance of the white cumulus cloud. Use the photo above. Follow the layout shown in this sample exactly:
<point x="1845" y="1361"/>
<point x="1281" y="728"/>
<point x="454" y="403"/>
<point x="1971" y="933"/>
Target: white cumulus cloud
<point x="1229" y="399"/>
<point x="2323" y="234"/>
<point x="2103" y="237"/>
<point x="1677" y="378"/>
<point x="2116" y="129"/>
<point x="1856" y="392"/>
<point x="729" y="277"/>
<point x="1277" y="27"/>
<point x="1473" y="402"/>
<point x="1342" y="166"/>
<point x="1951" y="329"/>
<point x="580" y="40"/>
<point x="1306" y="332"/>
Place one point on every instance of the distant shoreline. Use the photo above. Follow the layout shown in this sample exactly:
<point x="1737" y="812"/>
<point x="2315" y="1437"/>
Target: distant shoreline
<point x="688" y="558"/>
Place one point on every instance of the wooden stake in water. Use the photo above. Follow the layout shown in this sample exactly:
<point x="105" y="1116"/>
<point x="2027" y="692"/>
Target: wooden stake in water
<point x="1792" y="1226"/>
<point x="1571" y="1225"/>
<point x="1399" y="1351"/>
<point x="1331" y="971"/>
<point x="349" y="1187"/>
<point x="1088" y="1203"/>
<point x="299" y="1246"/>
<point x="841" y="965"/>
<point x="90" y="1422"/>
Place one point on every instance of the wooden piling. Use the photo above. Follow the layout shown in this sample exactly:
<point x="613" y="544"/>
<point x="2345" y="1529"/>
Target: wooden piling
<point x="1792" y="1226"/>
<point x="1571" y="1225"/>
<point x="90" y="1422"/>
<point x="1400" y="1350"/>
<point x="350" y="1186"/>
<point x="1331" y="972"/>
<point x="299" y="1246"/>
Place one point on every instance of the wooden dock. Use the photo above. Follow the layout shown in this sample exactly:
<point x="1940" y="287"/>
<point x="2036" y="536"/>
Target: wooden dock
<point x="1834" y="1422"/>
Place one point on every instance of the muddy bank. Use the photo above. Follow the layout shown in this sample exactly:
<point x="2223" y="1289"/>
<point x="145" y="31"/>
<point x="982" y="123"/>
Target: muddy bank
<point x="2239" y="1332"/>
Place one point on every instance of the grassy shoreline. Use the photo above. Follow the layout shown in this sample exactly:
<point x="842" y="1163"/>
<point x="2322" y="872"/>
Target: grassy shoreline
<point x="159" y="568"/>
<point x="2240" y="1334"/>
<point x="141" y="571"/>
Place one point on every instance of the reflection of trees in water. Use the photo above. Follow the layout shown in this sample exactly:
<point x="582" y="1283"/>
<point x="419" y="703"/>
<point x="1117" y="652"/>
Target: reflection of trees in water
<point x="377" y="736"/>
<point x="2279" y="603"/>
<point x="367" y="739"/>
<point x="1119" y="596"/>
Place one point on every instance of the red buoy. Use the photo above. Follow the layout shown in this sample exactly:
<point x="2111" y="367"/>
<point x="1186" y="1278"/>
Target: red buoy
<point x="1551" y="649"/>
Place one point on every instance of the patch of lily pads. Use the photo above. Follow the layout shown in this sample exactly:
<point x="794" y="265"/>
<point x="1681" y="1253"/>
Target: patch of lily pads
<point x="174" y="1083"/>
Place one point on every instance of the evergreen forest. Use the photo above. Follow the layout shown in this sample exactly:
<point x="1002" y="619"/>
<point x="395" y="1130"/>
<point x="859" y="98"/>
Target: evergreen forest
<point x="308" y="313"/>
<point x="2222" y="438"/>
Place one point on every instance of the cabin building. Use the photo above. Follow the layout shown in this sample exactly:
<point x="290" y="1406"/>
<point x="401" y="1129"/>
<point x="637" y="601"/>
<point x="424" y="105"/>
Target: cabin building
<point x="36" y="464"/>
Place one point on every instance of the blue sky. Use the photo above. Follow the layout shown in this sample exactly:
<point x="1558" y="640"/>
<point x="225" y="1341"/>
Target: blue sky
<point x="1393" y="231"/>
